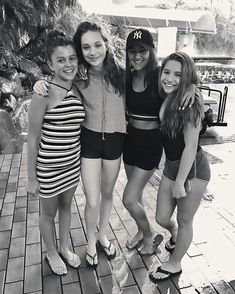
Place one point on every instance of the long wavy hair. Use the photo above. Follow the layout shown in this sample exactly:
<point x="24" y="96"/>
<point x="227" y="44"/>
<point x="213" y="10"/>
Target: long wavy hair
<point x="151" y="72"/>
<point x="174" y="120"/>
<point x="113" y="74"/>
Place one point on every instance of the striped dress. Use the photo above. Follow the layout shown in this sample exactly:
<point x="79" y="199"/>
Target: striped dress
<point x="58" y="162"/>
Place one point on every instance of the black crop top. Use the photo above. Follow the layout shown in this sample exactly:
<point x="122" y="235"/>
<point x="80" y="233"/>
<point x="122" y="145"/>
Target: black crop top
<point x="174" y="147"/>
<point x="144" y="105"/>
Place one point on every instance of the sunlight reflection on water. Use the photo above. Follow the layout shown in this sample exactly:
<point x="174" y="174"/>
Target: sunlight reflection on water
<point x="120" y="271"/>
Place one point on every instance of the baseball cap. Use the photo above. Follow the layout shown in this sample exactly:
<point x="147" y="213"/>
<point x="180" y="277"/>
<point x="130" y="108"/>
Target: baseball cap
<point x="140" y="36"/>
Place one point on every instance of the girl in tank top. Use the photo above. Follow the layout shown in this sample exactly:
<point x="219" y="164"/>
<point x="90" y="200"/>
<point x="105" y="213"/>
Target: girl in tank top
<point x="54" y="151"/>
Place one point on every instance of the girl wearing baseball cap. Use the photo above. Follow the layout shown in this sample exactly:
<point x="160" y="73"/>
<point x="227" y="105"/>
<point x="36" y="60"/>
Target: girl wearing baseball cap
<point x="142" y="144"/>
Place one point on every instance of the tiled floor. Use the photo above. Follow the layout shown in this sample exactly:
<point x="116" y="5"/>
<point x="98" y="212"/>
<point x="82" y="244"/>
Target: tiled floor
<point x="207" y="267"/>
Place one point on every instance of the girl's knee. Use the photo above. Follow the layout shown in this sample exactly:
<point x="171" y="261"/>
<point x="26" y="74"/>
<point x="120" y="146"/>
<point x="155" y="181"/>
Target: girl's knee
<point x="127" y="203"/>
<point x="162" y="220"/>
<point x="184" y="221"/>
<point x="49" y="218"/>
<point x="92" y="205"/>
<point x="131" y="198"/>
<point x="107" y="194"/>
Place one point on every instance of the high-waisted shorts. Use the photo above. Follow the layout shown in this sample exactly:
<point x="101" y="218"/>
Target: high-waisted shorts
<point x="98" y="145"/>
<point x="142" y="148"/>
<point x="200" y="168"/>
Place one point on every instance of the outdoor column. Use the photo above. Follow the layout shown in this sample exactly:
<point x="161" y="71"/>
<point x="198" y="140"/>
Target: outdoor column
<point x="186" y="43"/>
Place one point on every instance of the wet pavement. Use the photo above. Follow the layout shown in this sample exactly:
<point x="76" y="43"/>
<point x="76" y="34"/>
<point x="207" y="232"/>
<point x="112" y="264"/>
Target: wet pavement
<point x="208" y="266"/>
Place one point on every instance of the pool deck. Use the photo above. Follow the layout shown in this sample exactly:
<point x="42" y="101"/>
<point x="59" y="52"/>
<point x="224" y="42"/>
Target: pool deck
<point x="207" y="267"/>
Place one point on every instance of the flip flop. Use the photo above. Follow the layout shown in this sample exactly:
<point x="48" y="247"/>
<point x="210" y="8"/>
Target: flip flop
<point x="49" y="264"/>
<point x="167" y="273"/>
<point x="133" y="244"/>
<point x="170" y="245"/>
<point x="106" y="250"/>
<point x="73" y="262"/>
<point x="92" y="257"/>
<point x="151" y="249"/>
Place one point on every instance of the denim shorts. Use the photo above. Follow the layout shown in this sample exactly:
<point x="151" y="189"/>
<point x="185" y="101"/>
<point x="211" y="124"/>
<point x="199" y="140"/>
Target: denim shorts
<point x="98" y="145"/>
<point x="142" y="148"/>
<point x="200" y="168"/>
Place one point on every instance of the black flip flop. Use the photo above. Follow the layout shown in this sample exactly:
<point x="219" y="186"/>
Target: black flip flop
<point x="170" y="245"/>
<point x="160" y="270"/>
<point x="157" y="240"/>
<point x="91" y="265"/>
<point x="105" y="249"/>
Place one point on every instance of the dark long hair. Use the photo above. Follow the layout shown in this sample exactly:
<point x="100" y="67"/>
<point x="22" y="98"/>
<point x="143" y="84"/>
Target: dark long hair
<point x="113" y="74"/>
<point x="174" y="120"/>
<point x="151" y="73"/>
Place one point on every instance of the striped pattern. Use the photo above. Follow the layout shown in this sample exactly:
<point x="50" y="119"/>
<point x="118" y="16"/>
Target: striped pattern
<point x="58" y="163"/>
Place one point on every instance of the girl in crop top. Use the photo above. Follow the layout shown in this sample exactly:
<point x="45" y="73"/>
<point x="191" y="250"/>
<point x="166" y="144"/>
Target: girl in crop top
<point x="142" y="144"/>
<point x="186" y="173"/>
<point x="143" y="105"/>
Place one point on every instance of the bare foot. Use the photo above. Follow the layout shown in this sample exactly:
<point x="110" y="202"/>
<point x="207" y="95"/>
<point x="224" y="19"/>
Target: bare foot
<point x="70" y="258"/>
<point x="56" y="264"/>
<point x="135" y="241"/>
<point x="150" y="244"/>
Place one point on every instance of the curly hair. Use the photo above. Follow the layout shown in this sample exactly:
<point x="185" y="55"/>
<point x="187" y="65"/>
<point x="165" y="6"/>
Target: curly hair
<point x="54" y="39"/>
<point x="174" y="120"/>
<point x="113" y="74"/>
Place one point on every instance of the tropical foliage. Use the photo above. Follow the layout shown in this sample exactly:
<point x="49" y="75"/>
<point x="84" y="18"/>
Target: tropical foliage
<point x="23" y="24"/>
<point x="23" y="20"/>
<point x="23" y="28"/>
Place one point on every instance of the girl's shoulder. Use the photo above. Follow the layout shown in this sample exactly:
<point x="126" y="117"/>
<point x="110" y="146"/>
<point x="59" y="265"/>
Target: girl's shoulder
<point x="39" y="102"/>
<point x="77" y="91"/>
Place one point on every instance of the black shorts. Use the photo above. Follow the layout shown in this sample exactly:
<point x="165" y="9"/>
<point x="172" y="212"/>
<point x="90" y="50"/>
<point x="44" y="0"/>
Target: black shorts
<point x="94" y="146"/>
<point x="142" y="148"/>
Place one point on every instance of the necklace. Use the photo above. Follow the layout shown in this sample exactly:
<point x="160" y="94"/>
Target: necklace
<point x="61" y="86"/>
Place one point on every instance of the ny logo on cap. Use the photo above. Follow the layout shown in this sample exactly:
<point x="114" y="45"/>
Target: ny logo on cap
<point x="137" y="35"/>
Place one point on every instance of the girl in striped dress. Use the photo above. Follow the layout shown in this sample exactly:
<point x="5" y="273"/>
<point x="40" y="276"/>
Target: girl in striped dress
<point x="54" y="150"/>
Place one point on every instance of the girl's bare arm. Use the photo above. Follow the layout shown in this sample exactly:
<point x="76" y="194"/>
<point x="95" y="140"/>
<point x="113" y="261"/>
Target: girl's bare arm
<point x="36" y="114"/>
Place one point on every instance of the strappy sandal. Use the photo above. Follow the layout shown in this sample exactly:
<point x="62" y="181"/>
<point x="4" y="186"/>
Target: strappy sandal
<point x="92" y="257"/>
<point x="73" y="260"/>
<point x="170" y="245"/>
<point x="52" y="268"/>
<point x="107" y="250"/>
